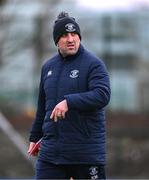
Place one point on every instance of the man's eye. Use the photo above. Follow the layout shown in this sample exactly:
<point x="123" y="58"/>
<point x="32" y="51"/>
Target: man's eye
<point x="64" y="35"/>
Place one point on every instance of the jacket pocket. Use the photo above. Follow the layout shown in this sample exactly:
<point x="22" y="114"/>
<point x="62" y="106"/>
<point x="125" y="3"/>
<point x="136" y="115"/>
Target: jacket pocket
<point x="84" y="125"/>
<point x="79" y="123"/>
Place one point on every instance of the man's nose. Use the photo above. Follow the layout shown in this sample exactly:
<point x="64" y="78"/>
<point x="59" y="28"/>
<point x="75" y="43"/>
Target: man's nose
<point x="69" y="37"/>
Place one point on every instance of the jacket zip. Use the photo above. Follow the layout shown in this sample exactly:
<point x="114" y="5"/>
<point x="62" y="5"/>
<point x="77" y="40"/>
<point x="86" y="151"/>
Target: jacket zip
<point x="57" y="90"/>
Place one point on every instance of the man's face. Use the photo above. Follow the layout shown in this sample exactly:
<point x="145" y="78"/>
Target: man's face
<point x="68" y="44"/>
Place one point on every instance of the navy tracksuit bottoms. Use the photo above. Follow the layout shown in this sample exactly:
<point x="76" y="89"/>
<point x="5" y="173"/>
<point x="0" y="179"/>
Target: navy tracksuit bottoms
<point x="46" y="170"/>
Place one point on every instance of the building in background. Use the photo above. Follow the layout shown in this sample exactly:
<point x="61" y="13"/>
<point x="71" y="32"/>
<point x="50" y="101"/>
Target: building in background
<point x="22" y="45"/>
<point x="120" y="38"/>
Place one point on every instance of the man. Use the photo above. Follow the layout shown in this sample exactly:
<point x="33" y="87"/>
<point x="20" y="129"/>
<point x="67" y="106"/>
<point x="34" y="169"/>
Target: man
<point x="74" y="89"/>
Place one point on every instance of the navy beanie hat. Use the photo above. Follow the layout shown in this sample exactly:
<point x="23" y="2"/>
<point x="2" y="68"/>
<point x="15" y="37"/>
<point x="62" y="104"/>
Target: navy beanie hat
<point x="65" y="24"/>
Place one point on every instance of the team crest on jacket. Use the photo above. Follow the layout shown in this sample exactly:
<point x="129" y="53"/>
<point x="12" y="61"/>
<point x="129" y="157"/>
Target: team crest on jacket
<point x="70" y="27"/>
<point x="74" y="73"/>
<point x="49" y="73"/>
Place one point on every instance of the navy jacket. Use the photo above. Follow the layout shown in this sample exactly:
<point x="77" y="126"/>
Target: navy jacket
<point x="83" y="81"/>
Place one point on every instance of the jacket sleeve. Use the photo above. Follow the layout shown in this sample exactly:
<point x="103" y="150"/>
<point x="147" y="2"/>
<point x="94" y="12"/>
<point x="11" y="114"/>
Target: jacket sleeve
<point x="36" y="130"/>
<point x="98" y="94"/>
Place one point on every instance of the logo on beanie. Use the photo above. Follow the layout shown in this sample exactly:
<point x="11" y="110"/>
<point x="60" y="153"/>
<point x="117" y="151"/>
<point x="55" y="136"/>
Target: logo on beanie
<point x="70" y="27"/>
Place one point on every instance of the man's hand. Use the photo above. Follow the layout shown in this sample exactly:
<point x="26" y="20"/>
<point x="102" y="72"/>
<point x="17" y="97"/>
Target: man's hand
<point x="34" y="148"/>
<point x="31" y="146"/>
<point x="59" y="111"/>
